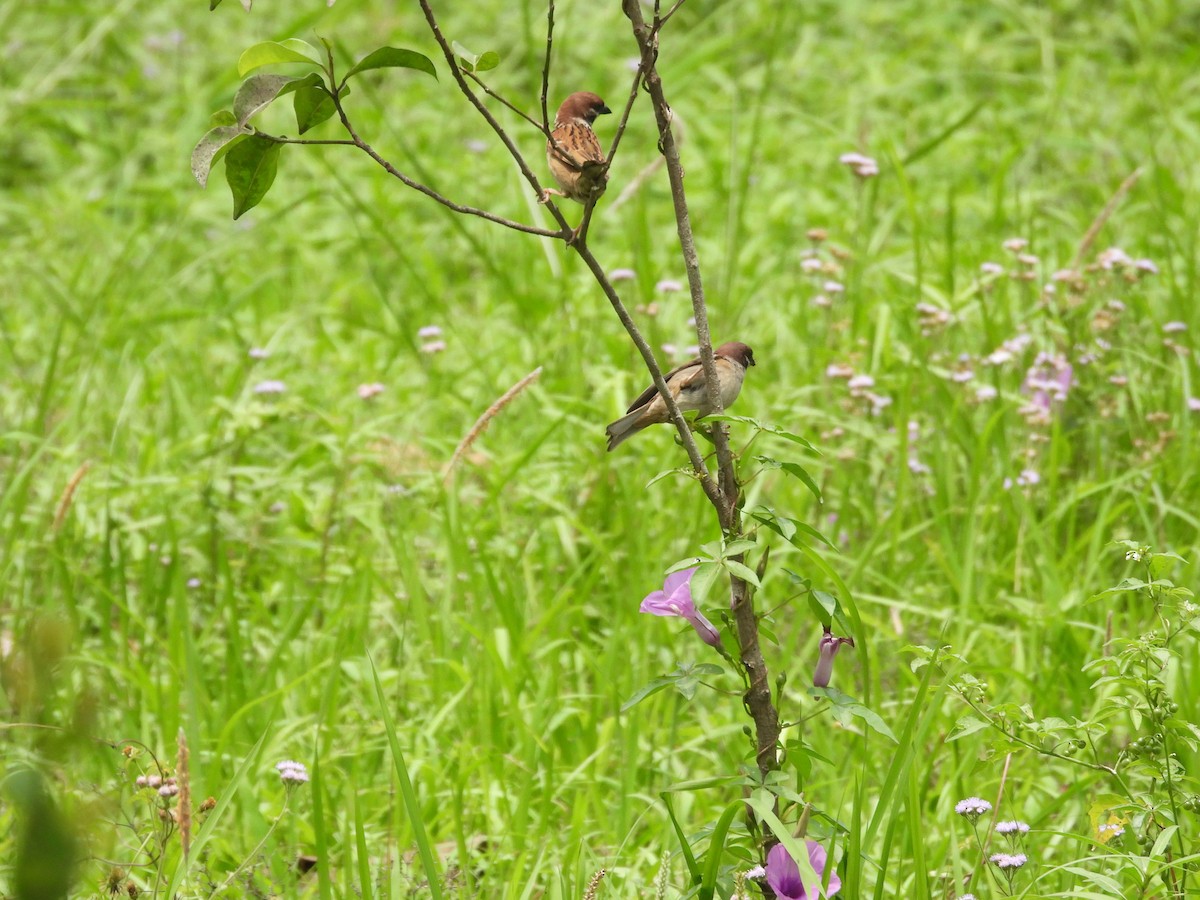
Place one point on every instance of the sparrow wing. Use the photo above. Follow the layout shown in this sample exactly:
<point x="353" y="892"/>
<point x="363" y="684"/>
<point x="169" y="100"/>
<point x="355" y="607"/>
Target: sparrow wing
<point x="686" y="378"/>
<point x="577" y="146"/>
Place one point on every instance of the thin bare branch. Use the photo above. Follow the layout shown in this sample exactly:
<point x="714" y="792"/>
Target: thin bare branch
<point x="487" y="90"/>
<point x="284" y="139"/>
<point x="424" y="189"/>
<point x="644" y="63"/>
<point x="685" y="433"/>
<point x="463" y="86"/>
<point x="660" y="21"/>
<point x="647" y="43"/>
<point x="546" y="66"/>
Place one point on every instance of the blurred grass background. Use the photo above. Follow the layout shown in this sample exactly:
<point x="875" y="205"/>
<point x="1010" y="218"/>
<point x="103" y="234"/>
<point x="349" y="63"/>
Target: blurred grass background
<point x="502" y="613"/>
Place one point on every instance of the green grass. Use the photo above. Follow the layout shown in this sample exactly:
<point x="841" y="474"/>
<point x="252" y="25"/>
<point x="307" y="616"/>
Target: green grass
<point x="501" y="611"/>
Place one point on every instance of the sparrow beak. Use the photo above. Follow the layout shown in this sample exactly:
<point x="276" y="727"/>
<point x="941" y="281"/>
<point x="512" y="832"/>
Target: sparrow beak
<point x="603" y="110"/>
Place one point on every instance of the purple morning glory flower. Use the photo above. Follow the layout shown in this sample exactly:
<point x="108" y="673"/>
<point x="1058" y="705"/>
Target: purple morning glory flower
<point x="829" y="648"/>
<point x="783" y="875"/>
<point x="675" y="599"/>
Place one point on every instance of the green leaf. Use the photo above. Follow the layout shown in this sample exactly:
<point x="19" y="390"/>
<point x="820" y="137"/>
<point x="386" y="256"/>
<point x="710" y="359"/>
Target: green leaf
<point x="796" y="471"/>
<point x="702" y="582"/>
<point x="685" y="848"/>
<point x="221" y="117"/>
<point x="965" y="726"/>
<point x="647" y="690"/>
<point x="470" y="62"/>
<point x="716" y="849"/>
<point x="742" y="571"/>
<point x="250" y="169"/>
<point x="411" y="805"/>
<point x="257" y="92"/>
<point x="822" y="604"/>
<point x="270" y="52"/>
<point x="769" y="429"/>
<point x="733" y="548"/>
<point x="313" y="106"/>
<point x="763" y="804"/>
<point x="845" y="707"/>
<point x="215" y="144"/>
<point x="394" y="58"/>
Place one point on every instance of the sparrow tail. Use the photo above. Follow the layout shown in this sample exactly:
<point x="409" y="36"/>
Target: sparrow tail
<point x="624" y="428"/>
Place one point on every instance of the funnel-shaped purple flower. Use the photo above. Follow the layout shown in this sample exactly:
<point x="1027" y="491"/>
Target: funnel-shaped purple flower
<point x="783" y="875"/>
<point x="830" y="645"/>
<point x="675" y="599"/>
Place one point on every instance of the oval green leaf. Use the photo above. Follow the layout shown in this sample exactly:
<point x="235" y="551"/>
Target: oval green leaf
<point x="250" y="169"/>
<point x="394" y="58"/>
<point x="313" y="106"/>
<point x="256" y="93"/>
<point x="271" y="52"/>
<point x="215" y="144"/>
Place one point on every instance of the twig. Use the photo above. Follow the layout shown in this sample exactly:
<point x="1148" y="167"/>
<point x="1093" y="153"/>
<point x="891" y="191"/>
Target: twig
<point x="487" y="90"/>
<point x="660" y="21"/>
<point x="427" y="191"/>
<point x="546" y="66"/>
<point x="1093" y="231"/>
<point x="647" y="42"/>
<point x="481" y="423"/>
<point x="447" y="51"/>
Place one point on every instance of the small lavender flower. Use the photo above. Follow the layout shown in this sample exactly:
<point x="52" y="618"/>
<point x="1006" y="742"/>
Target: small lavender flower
<point x="1193" y="404"/>
<point x="476" y="146"/>
<point x="862" y="166"/>
<point x="833" y="287"/>
<point x="811" y="264"/>
<point x="991" y="268"/>
<point x="433" y="347"/>
<point x="860" y="383"/>
<point x="428" y="332"/>
<point x="668" y="286"/>
<point x="271" y="386"/>
<point x="821" y="301"/>
<point x="1015" y="244"/>
<point x="168" y="790"/>
<point x="1012" y="827"/>
<point x="985" y="392"/>
<point x="972" y="808"/>
<point x="1008" y="860"/>
<point x="259" y="353"/>
<point x="292" y="772"/>
<point x="622" y="275"/>
<point x="1146" y="265"/>
<point x="1174" y="327"/>
<point x="917" y="467"/>
<point x="839" y="370"/>
<point x="1113" y="257"/>
<point x="193" y="583"/>
<point x="367" y="391"/>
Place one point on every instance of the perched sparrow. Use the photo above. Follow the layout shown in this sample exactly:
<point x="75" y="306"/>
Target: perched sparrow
<point x="575" y="157"/>
<point x="690" y="390"/>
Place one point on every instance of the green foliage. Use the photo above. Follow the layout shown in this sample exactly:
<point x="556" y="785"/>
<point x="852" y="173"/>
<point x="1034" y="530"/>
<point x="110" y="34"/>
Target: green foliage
<point x="502" y="610"/>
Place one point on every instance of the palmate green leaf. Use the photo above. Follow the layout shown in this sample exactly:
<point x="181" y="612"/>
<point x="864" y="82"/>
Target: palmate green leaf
<point x="270" y="52"/>
<point x="470" y="62"/>
<point x="214" y="145"/>
<point x="394" y="58"/>
<point x="250" y="169"/>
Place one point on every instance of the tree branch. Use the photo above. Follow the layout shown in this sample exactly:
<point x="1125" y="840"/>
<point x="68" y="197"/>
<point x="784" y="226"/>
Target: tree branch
<point x="647" y="38"/>
<point x="546" y="66"/>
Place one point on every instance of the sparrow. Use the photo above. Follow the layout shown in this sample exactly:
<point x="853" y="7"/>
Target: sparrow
<point x="690" y="390"/>
<point x="574" y="153"/>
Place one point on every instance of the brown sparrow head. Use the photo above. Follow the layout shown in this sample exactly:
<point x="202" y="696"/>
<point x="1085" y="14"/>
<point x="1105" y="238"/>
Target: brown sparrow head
<point x="690" y="390"/>
<point x="574" y="153"/>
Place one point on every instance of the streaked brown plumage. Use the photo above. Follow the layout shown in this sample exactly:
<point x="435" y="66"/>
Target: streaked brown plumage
<point x="690" y="390"/>
<point x="574" y="155"/>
